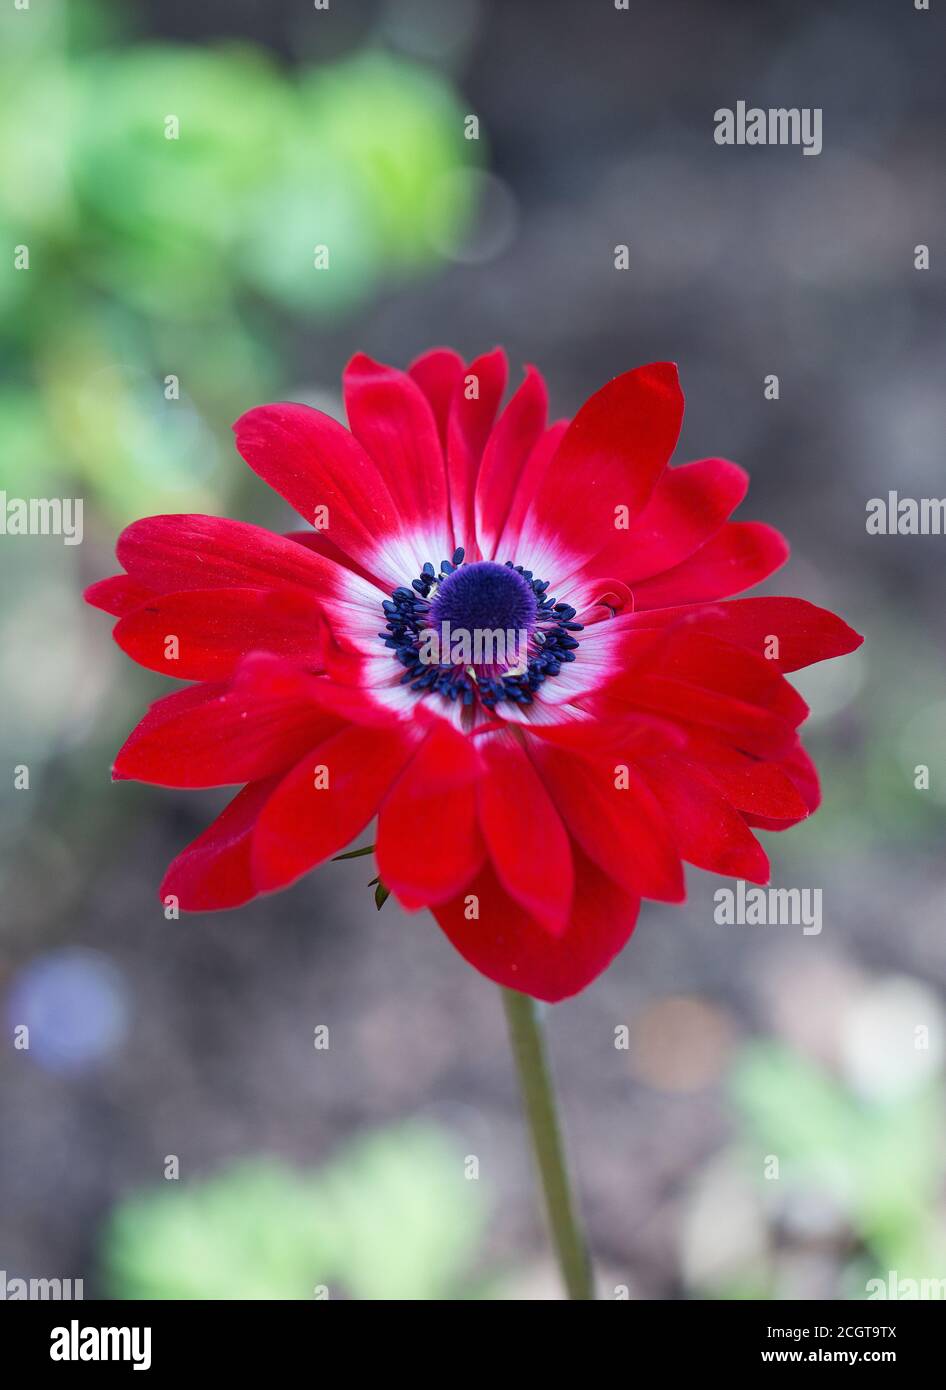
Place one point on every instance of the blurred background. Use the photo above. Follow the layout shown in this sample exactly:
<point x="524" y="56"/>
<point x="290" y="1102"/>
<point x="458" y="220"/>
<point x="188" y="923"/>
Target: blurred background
<point x="176" y="1127"/>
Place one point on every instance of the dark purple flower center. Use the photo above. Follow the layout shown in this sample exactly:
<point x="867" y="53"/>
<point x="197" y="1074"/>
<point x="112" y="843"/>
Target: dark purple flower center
<point x="484" y="630"/>
<point x="485" y="596"/>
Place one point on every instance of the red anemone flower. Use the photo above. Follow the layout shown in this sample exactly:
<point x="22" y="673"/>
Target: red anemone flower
<point x="529" y="795"/>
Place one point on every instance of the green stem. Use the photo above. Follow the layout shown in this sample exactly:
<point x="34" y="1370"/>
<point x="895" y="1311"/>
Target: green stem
<point x="538" y="1096"/>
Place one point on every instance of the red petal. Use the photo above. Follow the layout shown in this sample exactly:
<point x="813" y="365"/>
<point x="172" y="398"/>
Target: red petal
<point x="694" y="656"/>
<point x="313" y="462"/>
<point x="688" y="506"/>
<point x="619" y="824"/>
<point x="215" y="628"/>
<point x="324" y="546"/>
<point x="804" y="632"/>
<point x="532" y="474"/>
<point x="170" y="553"/>
<point x="507" y="946"/>
<point x="446" y="759"/>
<point x="215" y="871"/>
<point x="471" y="419"/>
<point x="510" y="445"/>
<point x="708" y="831"/>
<point x="803" y="775"/>
<point x="612" y="453"/>
<point x="117" y="595"/>
<point x="216" y="736"/>
<point x="391" y="419"/>
<point x="429" y="843"/>
<point x="628" y="734"/>
<point x="743" y="553"/>
<point x="304" y="822"/>
<point x="438" y="374"/>
<point x="749" y="784"/>
<point x="524" y="833"/>
<point x="746" y="725"/>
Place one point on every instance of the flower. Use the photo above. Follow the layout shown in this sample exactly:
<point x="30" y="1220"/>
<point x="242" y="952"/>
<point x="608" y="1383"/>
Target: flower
<point x="528" y="794"/>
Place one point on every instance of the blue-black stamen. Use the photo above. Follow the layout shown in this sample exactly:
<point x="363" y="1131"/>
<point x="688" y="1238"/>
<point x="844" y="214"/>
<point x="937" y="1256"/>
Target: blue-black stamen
<point x="478" y="598"/>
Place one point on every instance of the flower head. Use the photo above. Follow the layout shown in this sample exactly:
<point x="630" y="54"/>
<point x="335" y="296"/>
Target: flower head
<point x="503" y="638"/>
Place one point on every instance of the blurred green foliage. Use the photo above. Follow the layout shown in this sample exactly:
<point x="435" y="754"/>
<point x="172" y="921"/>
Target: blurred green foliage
<point x="153" y="257"/>
<point x="391" y="1217"/>
<point x="877" y="1160"/>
